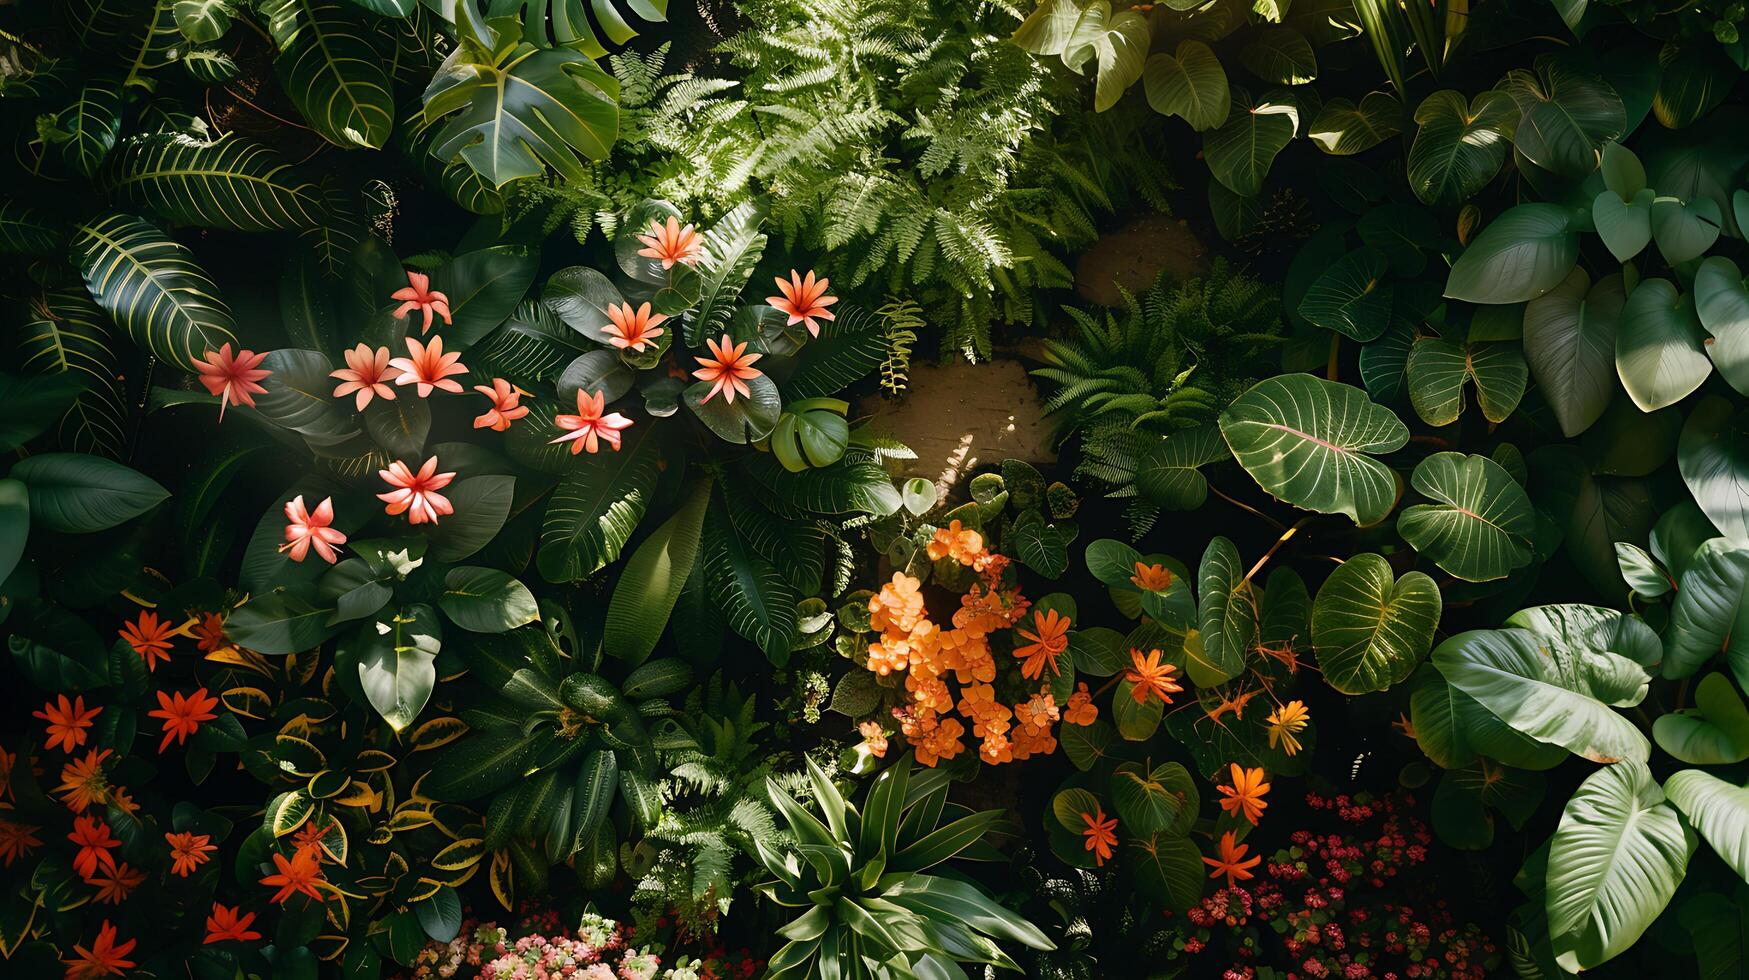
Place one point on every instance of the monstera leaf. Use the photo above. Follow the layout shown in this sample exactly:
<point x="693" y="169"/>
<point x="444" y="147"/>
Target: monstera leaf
<point x="1480" y="523"/>
<point x="565" y="24"/>
<point x="231" y="184"/>
<point x="512" y="106"/>
<point x="1311" y="443"/>
<point x="1369" y="628"/>
<point x="150" y="286"/>
<point x="333" y="72"/>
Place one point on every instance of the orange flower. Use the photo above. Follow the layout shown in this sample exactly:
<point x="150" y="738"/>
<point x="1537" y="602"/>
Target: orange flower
<point x="1047" y="644"/>
<point x="728" y="369"/>
<point x="183" y="715"/>
<point x="1151" y="578"/>
<point x="428" y="367"/>
<point x="805" y="300"/>
<point x="296" y="876"/>
<point x="105" y="958"/>
<point x="418" y="295"/>
<point x="872" y="736"/>
<point x="1150" y="676"/>
<point x="188" y="851"/>
<point x="671" y="243"/>
<point x="94" y="840"/>
<point x="16" y="841"/>
<point x="635" y="329"/>
<point x="305" y="529"/>
<point x="1081" y="709"/>
<point x="416" y="492"/>
<point x="114" y="886"/>
<point x="311" y="835"/>
<point x="226" y="924"/>
<point x="149" y="638"/>
<point x="67" y="721"/>
<point x="234" y="379"/>
<point x="1246" y="794"/>
<point x="1231" y="862"/>
<point x="1285" y="722"/>
<point x="83" y="782"/>
<point x="366" y="374"/>
<point x="589" y="427"/>
<point x="506" y="407"/>
<point x="7" y="761"/>
<point x="1101" y="834"/>
<point x="210" y="635"/>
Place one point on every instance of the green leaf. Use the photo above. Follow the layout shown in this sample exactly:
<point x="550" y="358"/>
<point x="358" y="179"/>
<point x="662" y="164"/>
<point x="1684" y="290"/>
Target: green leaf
<point x="1167" y="867"/>
<point x="1569" y="340"/>
<point x="1189" y="83"/>
<point x="1660" y="350"/>
<point x="651" y="583"/>
<point x="759" y="603"/>
<point x="1624" y="226"/>
<point x="1280" y="56"/>
<point x="485" y="600"/>
<point x="1685" y="229"/>
<point x="150" y="286"/>
<point x="1586" y="627"/>
<point x="1162" y="800"/>
<point x="14" y="525"/>
<point x="1438" y="369"/>
<point x="1081" y="32"/>
<point x="203" y="22"/>
<point x="1565" y="116"/>
<point x="848" y="349"/>
<point x="732" y="247"/>
<point x="1713" y="732"/>
<point x="1524" y="253"/>
<point x="512" y="106"/>
<point x="477" y="764"/>
<point x="232" y="183"/>
<point x="1351" y="297"/>
<point x="1718" y="810"/>
<point x="1479" y="526"/>
<point x="1459" y="147"/>
<point x="481" y="505"/>
<point x="597" y="779"/>
<point x="1549" y="691"/>
<point x="596" y="506"/>
<point x="1169" y="475"/>
<point x="1240" y="152"/>
<point x="749" y="418"/>
<point x="1713" y="456"/>
<point x="1722" y="304"/>
<point x="90" y="126"/>
<point x="1614" y="863"/>
<point x="1370" y="630"/>
<point x="1311" y="443"/>
<point x="1710" y="602"/>
<point x="75" y="493"/>
<point x="484" y="287"/>
<point x="278" y="623"/>
<point x="335" y="75"/>
<point x="397" y="659"/>
<point x="1226" y="616"/>
<point x="1466" y="797"/>
<point x="1696" y="77"/>
<point x="1643" y="573"/>
<point x="300" y="397"/>
<point x="1342" y="128"/>
<point x="65" y="335"/>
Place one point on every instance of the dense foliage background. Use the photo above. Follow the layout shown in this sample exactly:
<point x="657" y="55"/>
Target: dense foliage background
<point x="506" y="488"/>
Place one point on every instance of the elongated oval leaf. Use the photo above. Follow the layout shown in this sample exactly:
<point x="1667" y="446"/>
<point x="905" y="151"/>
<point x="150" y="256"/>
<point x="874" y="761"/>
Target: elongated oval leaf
<point x="1524" y="253"/>
<point x="150" y="286"/>
<point x="1718" y="810"/>
<point x="1226" y="616"/>
<point x="232" y="184"/>
<point x="75" y="493"/>
<point x="1722" y="303"/>
<point x="1569" y="340"/>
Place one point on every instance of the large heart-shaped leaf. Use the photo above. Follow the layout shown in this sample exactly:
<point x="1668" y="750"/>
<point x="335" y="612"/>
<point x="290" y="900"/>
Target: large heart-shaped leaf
<point x="397" y="662"/>
<point x="1480" y="525"/>
<point x="1190" y="83"/>
<point x="1459" y="147"/>
<point x="231" y="183"/>
<point x="1452" y="728"/>
<point x="1438" y="369"/>
<point x="1170" y="475"/>
<point x="1240" y="151"/>
<point x="1550" y="691"/>
<point x="1352" y="297"/>
<point x="512" y="107"/>
<point x="1370" y="629"/>
<point x="484" y="287"/>
<point x="1624" y="225"/>
<point x="1585" y="627"/>
<point x="1342" y="128"/>
<point x="1524" y="253"/>
<point x="1685" y="229"/>
<point x="1280" y="56"/>
<point x="1713" y="732"/>
<point x="1722" y="303"/>
<point x="1660" y="349"/>
<point x="150" y="286"/>
<point x="1569" y="340"/>
<point x="335" y="76"/>
<point x="1614" y="862"/>
<point x="1713" y="455"/>
<point x="1564" y="117"/>
<point x="1311" y="443"/>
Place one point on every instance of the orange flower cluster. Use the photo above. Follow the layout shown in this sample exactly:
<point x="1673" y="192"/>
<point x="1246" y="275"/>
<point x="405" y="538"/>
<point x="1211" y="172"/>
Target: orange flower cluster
<point x="930" y="656"/>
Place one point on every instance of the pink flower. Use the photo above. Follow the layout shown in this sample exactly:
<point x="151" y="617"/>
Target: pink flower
<point x="233" y="379"/>
<point x="366" y="372"/>
<point x="671" y="243"/>
<point x="429" y="367"/>
<point x="805" y="300"/>
<point x="729" y="371"/>
<point x="418" y="295"/>
<point x="304" y="530"/>
<point x="589" y="424"/>
<point x="416" y="492"/>
<point x="635" y="329"/>
<point x="506" y="407"/>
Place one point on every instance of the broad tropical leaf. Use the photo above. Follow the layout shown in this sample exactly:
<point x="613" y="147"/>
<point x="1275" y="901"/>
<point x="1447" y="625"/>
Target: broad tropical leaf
<point x="1438" y="370"/>
<point x="1189" y="83"/>
<point x="1480" y="524"/>
<point x="1722" y="303"/>
<point x="1460" y="146"/>
<point x="396" y="656"/>
<point x="335" y="75"/>
<point x="596" y="506"/>
<point x="1569" y="340"/>
<point x="150" y="286"/>
<point x="1241" y="150"/>
<point x="66" y="333"/>
<point x="231" y="184"/>
<point x="1524" y="253"/>
<point x="1718" y="810"/>
<point x="1370" y="629"/>
<point x="1226" y="616"/>
<point x="1660" y="348"/>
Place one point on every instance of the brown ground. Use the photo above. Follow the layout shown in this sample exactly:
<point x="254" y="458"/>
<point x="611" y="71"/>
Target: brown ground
<point x="1135" y="255"/>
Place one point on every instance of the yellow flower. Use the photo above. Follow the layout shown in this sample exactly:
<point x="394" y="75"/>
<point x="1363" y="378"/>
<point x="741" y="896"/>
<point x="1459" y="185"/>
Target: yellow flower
<point x="1285" y="722"/>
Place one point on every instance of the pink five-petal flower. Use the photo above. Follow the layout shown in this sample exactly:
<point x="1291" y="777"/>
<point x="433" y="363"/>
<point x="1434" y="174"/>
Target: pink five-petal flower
<point x="634" y="329"/>
<point x="671" y="243"/>
<point x="233" y="378"/>
<point x="506" y="407"/>
<point x="728" y="370"/>
<point x="415" y="494"/>
<point x="418" y="295"/>
<point x="366" y="373"/>
<point x="805" y="300"/>
<point x="306" y="529"/>
<point x="428" y="367"/>
<point x="589" y="427"/>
